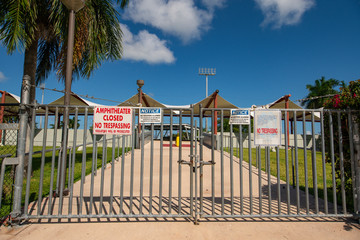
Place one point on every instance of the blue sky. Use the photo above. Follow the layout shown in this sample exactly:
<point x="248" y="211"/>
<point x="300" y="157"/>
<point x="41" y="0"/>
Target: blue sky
<point x="261" y="49"/>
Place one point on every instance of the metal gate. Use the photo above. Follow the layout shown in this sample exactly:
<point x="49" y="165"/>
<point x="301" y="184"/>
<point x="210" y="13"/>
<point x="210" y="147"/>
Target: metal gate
<point x="314" y="173"/>
<point x="203" y="174"/>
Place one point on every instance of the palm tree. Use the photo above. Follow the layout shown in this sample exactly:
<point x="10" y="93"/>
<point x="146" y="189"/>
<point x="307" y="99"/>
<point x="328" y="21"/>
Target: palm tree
<point x="39" y="27"/>
<point x="322" y="87"/>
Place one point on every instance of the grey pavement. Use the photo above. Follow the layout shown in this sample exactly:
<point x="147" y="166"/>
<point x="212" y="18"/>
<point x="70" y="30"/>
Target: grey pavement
<point x="180" y="228"/>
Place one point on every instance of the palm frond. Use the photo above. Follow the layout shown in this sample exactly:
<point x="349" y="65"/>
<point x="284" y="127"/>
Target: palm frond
<point x="322" y="87"/>
<point x="47" y="57"/>
<point x="17" y="24"/>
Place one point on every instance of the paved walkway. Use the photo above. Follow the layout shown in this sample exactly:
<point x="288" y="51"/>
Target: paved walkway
<point x="180" y="228"/>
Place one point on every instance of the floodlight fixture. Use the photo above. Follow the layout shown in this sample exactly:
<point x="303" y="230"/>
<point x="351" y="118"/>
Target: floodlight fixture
<point x="207" y="71"/>
<point x="75" y="5"/>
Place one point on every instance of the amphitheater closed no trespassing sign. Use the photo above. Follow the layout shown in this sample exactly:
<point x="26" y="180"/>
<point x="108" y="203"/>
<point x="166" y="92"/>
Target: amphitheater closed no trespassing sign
<point x="112" y="120"/>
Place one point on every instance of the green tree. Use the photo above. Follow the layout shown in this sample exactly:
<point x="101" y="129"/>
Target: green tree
<point x="71" y="124"/>
<point x="348" y="98"/>
<point x="322" y="87"/>
<point x="226" y="126"/>
<point x="39" y="29"/>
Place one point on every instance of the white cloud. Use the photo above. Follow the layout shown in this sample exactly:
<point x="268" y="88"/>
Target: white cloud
<point x="145" y="47"/>
<point x="283" y="12"/>
<point x="2" y="77"/>
<point x="180" y="18"/>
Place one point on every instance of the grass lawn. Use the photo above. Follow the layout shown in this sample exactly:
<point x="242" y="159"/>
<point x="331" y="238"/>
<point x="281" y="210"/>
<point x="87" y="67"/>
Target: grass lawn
<point x="301" y="169"/>
<point x="36" y="171"/>
<point x="35" y="179"/>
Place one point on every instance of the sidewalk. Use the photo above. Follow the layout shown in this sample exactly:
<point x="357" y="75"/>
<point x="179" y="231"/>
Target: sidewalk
<point x="162" y="230"/>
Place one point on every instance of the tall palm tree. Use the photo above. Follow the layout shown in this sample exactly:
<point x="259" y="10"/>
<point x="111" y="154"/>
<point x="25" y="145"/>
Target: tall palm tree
<point x="322" y="87"/>
<point x="39" y="27"/>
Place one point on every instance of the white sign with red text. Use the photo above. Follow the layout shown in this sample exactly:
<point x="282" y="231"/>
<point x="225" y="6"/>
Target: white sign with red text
<point x="267" y="127"/>
<point x="112" y="120"/>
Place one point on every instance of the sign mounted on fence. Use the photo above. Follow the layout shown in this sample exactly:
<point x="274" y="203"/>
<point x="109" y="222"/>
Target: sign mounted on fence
<point x="240" y="116"/>
<point x="267" y="127"/>
<point x="150" y="115"/>
<point x="113" y="120"/>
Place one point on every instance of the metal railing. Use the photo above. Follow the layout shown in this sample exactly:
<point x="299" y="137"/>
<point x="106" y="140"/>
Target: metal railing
<point x="320" y="180"/>
<point x="231" y="178"/>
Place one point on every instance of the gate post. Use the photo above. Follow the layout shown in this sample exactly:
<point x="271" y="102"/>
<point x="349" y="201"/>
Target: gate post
<point x="19" y="174"/>
<point x="356" y="139"/>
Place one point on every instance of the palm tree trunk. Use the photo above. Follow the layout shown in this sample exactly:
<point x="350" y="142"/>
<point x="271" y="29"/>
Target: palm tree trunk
<point x="30" y="63"/>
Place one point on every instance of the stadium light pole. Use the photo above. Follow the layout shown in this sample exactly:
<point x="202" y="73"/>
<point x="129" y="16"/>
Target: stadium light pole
<point x="140" y="84"/>
<point x="207" y="72"/>
<point x="73" y="6"/>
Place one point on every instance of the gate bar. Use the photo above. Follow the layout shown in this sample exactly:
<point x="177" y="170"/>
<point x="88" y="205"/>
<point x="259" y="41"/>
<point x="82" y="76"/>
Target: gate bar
<point x="170" y="162"/>
<point x="93" y="169"/>
<point x="192" y="162"/>
<point x="341" y="164"/>
<point x="213" y="161"/>
<point x="287" y="162"/>
<point x="112" y="174"/>
<point x="52" y="159"/>
<point x="161" y="161"/>
<point x="231" y="171"/>
<point x="323" y="161"/>
<point x="179" y="162"/>
<point x="278" y="178"/>
<point x="42" y="162"/>
<point x="352" y="160"/>
<point x="250" y="170"/>
<point x="71" y="180"/>
<point x="258" y="148"/>
<point x="241" y="155"/>
<point x="201" y="140"/>
<point x="83" y="164"/>
<point x="314" y="167"/>
<point x="296" y="164"/>
<point x="29" y="170"/>
<point x="222" y="162"/>
<point x="332" y="161"/>
<point x="103" y="166"/>
<point x="305" y="164"/>
<point x="122" y="174"/>
<point x="132" y="162"/>
<point x="151" y="168"/>
<point x="142" y="167"/>
<point x="196" y="176"/>
<point x="269" y="177"/>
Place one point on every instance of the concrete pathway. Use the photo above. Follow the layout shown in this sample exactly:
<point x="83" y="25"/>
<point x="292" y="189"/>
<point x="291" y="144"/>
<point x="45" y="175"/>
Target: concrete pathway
<point x="180" y="228"/>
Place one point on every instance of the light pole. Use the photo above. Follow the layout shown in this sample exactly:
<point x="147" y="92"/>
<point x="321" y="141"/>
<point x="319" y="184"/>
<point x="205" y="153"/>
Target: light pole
<point x="140" y="84"/>
<point x="73" y="6"/>
<point x="207" y="72"/>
